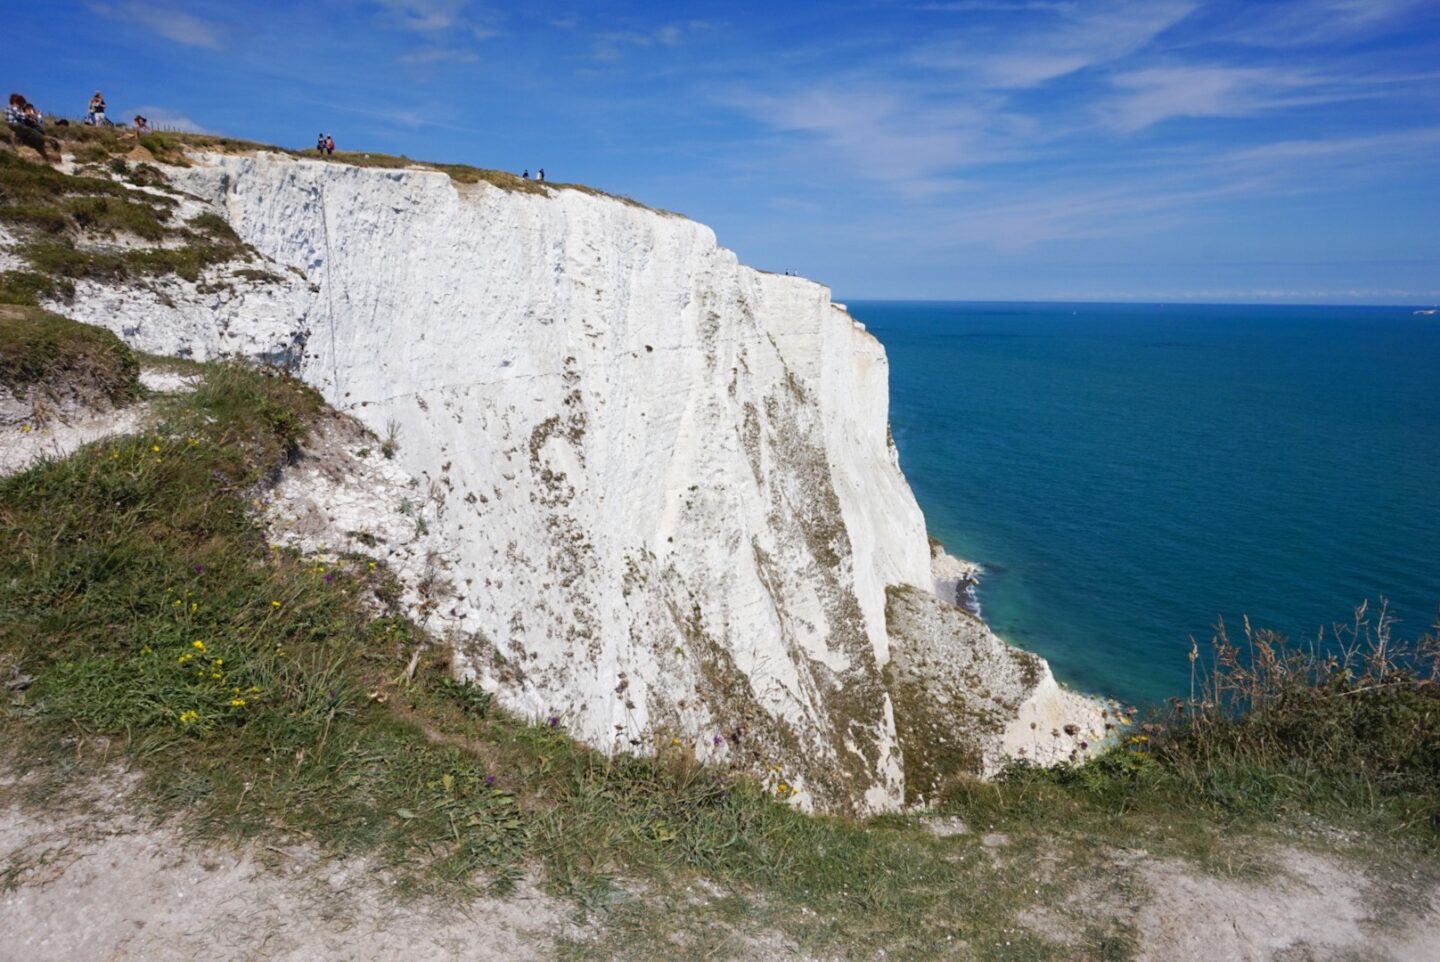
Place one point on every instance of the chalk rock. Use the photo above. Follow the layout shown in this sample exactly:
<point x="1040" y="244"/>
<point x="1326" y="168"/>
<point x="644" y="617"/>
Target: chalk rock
<point x="662" y="483"/>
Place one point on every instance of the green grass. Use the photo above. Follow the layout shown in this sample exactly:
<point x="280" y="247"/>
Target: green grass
<point x="29" y="288"/>
<point x="263" y="695"/>
<point x="45" y="351"/>
<point x="52" y="210"/>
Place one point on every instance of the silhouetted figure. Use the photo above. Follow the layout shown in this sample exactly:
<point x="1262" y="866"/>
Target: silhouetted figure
<point x="329" y="146"/>
<point x="320" y="144"/>
<point x="142" y="126"/>
<point x="526" y="175"/>
<point x="542" y="175"/>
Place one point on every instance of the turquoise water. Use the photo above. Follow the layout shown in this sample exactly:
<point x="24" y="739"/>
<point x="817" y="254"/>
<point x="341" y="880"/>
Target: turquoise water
<point x="1127" y="473"/>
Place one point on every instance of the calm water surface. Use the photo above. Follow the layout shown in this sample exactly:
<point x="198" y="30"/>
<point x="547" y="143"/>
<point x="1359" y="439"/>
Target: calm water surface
<point x="1127" y="473"/>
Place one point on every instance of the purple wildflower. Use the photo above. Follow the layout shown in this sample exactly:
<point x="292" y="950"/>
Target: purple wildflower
<point x="717" y="741"/>
<point x="489" y="781"/>
<point x="329" y="577"/>
<point x="554" y="721"/>
<point x="199" y="569"/>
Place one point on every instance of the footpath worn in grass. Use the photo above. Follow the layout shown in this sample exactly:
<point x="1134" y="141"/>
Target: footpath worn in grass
<point x="261" y="694"/>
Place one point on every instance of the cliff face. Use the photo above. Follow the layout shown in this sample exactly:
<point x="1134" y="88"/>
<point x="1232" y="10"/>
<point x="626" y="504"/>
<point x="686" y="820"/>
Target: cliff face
<point x="659" y="484"/>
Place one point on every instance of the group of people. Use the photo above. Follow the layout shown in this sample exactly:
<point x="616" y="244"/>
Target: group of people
<point x="22" y="113"/>
<point x="540" y="175"/>
<point x="326" y="145"/>
<point x="95" y="116"/>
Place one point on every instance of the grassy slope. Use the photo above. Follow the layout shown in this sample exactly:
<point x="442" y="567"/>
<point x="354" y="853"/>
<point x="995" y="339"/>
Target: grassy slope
<point x="52" y="212"/>
<point x="52" y="354"/>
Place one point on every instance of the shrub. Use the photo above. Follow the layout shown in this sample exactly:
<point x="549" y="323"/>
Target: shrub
<point x="1352" y="720"/>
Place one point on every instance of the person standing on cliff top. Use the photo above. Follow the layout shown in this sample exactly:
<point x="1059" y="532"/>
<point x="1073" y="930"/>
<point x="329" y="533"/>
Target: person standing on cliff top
<point x="329" y="145"/>
<point x="320" y="144"/>
<point x="542" y="175"/>
<point x="96" y="115"/>
<point x="526" y="175"/>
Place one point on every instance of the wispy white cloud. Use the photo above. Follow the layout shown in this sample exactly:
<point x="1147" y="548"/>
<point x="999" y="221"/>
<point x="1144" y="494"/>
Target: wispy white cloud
<point x="1377" y="154"/>
<point x="437" y="55"/>
<point x="996" y="6"/>
<point x="1294" y="23"/>
<point x="1154" y="94"/>
<point x="424" y="16"/>
<point x="1163" y="190"/>
<point x="891" y="134"/>
<point x="1077" y="38"/>
<point x="443" y="25"/>
<point x="165" y="20"/>
<point x="610" y="46"/>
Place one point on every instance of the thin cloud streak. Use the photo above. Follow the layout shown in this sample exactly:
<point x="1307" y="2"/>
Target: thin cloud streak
<point x="1085" y="37"/>
<point x="168" y="22"/>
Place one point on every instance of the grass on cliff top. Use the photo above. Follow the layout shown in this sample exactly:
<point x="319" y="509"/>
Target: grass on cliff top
<point x="262" y="695"/>
<point x="52" y="211"/>
<point x="465" y="174"/>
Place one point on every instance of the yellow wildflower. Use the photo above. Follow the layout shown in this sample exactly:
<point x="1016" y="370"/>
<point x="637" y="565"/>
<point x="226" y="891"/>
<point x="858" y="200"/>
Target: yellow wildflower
<point x="198" y="645"/>
<point x="274" y="604"/>
<point x="237" y="703"/>
<point x="191" y="715"/>
<point x="218" y="662"/>
<point x="24" y="429"/>
<point x="155" y="448"/>
<point x="216" y="675"/>
<point x="185" y="658"/>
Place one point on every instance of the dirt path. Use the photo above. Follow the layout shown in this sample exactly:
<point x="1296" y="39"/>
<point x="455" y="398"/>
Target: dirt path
<point x="1320" y="909"/>
<point x="103" y="886"/>
<point x="87" y="880"/>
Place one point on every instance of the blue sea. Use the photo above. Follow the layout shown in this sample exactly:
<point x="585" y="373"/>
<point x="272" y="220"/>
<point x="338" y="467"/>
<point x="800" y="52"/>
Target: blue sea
<point x="1127" y="474"/>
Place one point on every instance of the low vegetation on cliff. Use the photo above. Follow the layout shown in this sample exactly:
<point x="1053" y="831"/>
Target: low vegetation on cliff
<point x="264" y="695"/>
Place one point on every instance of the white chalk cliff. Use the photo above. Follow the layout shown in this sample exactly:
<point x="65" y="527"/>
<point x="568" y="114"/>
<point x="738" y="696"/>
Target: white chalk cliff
<point x="659" y="484"/>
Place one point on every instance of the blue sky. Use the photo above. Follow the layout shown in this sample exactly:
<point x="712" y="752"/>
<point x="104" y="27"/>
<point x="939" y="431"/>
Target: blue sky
<point x="972" y="149"/>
